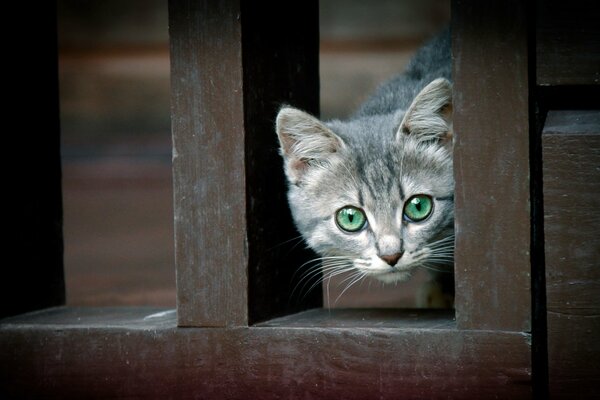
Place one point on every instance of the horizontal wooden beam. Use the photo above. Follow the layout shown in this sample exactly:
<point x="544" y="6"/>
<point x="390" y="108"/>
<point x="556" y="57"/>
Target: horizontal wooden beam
<point x="152" y="358"/>
<point x="367" y="318"/>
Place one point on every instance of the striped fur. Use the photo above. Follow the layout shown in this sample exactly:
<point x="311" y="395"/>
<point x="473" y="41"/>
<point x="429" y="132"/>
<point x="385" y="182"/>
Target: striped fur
<point x="397" y="145"/>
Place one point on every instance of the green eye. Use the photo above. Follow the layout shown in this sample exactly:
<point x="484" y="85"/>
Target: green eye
<point x="350" y="219"/>
<point x="417" y="208"/>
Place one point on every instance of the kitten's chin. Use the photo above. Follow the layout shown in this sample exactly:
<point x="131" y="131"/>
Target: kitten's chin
<point x="377" y="269"/>
<point x="394" y="277"/>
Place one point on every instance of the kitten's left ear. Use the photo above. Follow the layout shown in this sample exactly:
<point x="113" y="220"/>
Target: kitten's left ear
<point x="430" y="114"/>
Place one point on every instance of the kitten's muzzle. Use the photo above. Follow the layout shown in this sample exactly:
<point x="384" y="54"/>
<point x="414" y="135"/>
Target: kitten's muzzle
<point x="392" y="259"/>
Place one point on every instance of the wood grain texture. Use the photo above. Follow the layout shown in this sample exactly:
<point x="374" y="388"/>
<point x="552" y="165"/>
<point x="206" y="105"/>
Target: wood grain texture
<point x="208" y="162"/>
<point x="32" y="275"/>
<point x="568" y="42"/>
<point x="367" y="318"/>
<point x="233" y="67"/>
<point x="491" y="155"/>
<point x="37" y="358"/>
<point x="571" y="150"/>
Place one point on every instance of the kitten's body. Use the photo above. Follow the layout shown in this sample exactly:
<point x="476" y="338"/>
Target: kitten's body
<point x="396" y="148"/>
<point x="431" y="61"/>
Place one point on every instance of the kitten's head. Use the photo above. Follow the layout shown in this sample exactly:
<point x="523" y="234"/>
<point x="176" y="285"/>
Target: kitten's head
<point x="375" y="193"/>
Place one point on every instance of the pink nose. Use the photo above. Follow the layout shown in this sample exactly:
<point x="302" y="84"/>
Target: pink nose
<point x="392" y="259"/>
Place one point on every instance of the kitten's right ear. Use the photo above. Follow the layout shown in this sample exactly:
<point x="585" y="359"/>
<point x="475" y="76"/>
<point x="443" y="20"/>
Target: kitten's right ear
<point x="429" y="117"/>
<point x="304" y="141"/>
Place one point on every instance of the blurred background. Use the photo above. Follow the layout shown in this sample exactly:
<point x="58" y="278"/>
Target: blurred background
<point x="116" y="143"/>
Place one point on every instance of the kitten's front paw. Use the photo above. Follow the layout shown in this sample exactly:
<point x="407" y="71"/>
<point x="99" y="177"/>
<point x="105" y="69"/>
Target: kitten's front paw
<point x="431" y="295"/>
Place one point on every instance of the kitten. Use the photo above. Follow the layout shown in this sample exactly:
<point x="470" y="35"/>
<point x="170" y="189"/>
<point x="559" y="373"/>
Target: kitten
<point x="375" y="194"/>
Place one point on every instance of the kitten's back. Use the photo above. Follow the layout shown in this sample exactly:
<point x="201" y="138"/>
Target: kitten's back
<point x="431" y="61"/>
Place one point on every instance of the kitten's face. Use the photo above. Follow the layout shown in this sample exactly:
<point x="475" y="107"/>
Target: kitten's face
<point x="384" y="210"/>
<point x="374" y="195"/>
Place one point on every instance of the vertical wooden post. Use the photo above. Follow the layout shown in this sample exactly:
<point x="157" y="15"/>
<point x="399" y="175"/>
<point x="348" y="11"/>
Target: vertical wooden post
<point x="33" y="275"/>
<point x="232" y="67"/>
<point x="491" y="123"/>
<point x="208" y="162"/>
<point x="571" y="148"/>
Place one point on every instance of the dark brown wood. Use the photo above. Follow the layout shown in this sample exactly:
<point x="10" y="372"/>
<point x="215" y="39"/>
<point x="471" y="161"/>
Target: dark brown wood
<point x="571" y="151"/>
<point x="208" y="162"/>
<point x="368" y="318"/>
<point x="491" y="154"/>
<point x="232" y="68"/>
<point x="32" y="274"/>
<point x="40" y="359"/>
<point x="568" y="42"/>
<point x="96" y="318"/>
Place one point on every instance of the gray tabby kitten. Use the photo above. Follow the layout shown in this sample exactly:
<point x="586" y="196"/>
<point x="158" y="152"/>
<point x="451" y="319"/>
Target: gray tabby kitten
<point x="375" y="194"/>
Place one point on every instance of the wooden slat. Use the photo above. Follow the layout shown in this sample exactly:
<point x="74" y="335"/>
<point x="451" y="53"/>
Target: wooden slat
<point x="491" y="154"/>
<point x="571" y="150"/>
<point x="233" y="66"/>
<point x="568" y="42"/>
<point x="40" y="359"/>
<point x="32" y="274"/>
<point x="208" y="162"/>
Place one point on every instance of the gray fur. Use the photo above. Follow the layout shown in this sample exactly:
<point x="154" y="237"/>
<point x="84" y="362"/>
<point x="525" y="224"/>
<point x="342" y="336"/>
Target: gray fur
<point x="397" y="145"/>
<point x="431" y="61"/>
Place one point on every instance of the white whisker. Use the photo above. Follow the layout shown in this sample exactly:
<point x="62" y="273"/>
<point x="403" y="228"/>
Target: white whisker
<point x="316" y="274"/>
<point x="299" y="238"/>
<point x="357" y="277"/>
<point x="316" y="270"/>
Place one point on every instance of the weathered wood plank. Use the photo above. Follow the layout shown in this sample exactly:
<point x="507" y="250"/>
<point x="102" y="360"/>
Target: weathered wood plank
<point x="32" y="275"/>
<point x="208" y="162"/>
<point x="560" y="124"/>
<point x="233" y="66"/>
<point x="367" y="318"/>
<point x="568" y="42"/>
<point x="491" y="155"/>
<point x="571" y="150"/>
<point x="96" y="318"/>
<point x="75" y="361"/>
